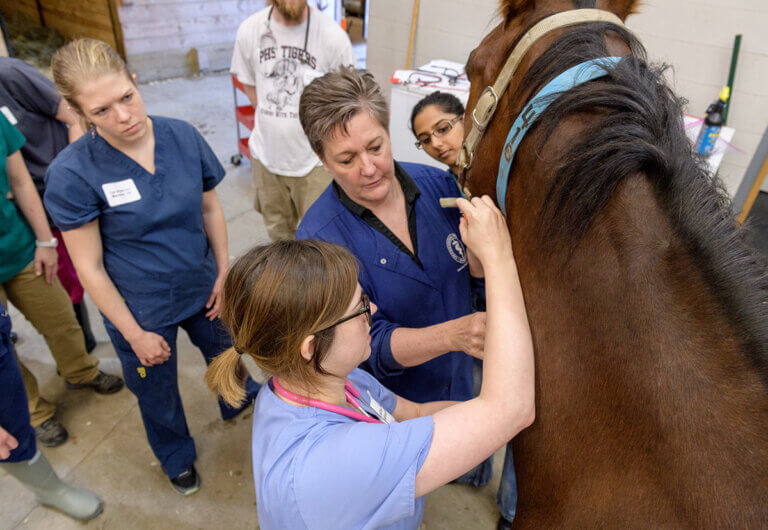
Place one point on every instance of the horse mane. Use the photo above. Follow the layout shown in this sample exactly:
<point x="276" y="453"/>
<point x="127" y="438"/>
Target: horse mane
<point x="638" y="128"/>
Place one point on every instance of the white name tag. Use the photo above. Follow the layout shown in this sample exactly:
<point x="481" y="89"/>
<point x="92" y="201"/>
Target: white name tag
<point x="9" y="115"/>
<point x="121" y="192"/>
<point x="380" y="411"/>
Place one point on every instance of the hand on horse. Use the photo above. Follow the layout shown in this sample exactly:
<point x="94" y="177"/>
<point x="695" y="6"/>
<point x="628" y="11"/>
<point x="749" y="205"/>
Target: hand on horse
<point x="468" y="334"/>
<point x="484" y="230"/>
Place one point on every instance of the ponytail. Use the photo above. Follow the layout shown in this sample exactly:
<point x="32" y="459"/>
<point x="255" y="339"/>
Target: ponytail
<point x="225" y="377"/>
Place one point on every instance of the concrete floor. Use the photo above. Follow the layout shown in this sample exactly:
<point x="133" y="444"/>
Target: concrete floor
<point x="108" y="452"/>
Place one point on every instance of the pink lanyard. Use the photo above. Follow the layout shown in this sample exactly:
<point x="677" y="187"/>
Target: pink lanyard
<point x="350" y="391"/>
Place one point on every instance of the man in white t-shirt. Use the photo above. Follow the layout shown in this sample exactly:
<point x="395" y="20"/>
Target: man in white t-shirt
<point x="278" y="51"/>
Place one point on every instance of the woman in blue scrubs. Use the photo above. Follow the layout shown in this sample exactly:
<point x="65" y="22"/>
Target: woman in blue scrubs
<point x="413" y="263"/>
<point x="135" y="200"/>
<point x="19" y="455"/>
<point x="436" y="121"/>
<point x="332" y="447"/>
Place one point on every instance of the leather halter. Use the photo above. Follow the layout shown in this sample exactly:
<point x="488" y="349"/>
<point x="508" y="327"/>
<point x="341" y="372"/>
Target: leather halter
<point x="489" y="99"/>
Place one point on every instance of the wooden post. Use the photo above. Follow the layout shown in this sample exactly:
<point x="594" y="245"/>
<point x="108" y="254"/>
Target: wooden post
<point x="117" y="28"/>
<point x="414" y="20"/>
<point x="753" y="192"/>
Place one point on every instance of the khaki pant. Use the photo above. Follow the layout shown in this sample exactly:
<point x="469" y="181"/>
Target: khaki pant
<point x="283" y="201"/>
<point x="50" y="311"/>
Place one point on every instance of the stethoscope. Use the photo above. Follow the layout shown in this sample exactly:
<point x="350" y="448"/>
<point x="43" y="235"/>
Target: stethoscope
<point x="271" y="36"/>
<point x="350" y="392"/>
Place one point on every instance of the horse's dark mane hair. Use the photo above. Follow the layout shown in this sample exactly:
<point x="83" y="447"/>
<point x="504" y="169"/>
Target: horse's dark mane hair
<point x="638" y="128"/>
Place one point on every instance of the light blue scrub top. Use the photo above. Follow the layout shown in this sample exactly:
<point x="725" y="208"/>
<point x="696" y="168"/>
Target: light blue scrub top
<point x="316" y="469"/>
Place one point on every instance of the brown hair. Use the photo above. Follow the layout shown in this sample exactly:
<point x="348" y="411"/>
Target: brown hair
<point x="84" y="60"/>
<point x="334" y="99"/>
<point x="274" y="297"/>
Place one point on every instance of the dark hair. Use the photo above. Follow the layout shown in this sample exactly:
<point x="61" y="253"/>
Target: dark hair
<point x="448" y="103"/>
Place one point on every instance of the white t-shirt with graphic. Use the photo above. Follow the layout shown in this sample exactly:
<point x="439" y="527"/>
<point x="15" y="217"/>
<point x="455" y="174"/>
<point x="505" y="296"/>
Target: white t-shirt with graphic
<point x="272" y="57"/>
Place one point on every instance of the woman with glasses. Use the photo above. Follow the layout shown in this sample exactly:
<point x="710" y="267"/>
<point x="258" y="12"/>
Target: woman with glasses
<point x="414" y="265"/>
<point x="332" y="447"/>
<point x="437" y="121"/>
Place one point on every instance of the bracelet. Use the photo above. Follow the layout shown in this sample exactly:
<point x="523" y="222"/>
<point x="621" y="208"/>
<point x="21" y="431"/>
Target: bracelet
<point x="53" y="243"/>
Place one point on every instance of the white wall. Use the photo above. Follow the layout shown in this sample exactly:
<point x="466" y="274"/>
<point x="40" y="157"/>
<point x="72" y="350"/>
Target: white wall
<point x="694" y="36"/>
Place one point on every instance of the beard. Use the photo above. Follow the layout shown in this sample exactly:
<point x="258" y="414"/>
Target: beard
<point x="291" y="10"/>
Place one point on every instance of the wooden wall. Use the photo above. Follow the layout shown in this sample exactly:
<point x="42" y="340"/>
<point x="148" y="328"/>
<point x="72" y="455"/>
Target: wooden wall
<point x="27" y="8"/>
<point x="159" y="36"/>
<point x="71" y="18"/>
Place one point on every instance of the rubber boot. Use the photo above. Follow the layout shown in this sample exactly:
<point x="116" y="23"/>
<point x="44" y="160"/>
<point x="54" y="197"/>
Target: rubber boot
<point x="38" y="476"/>
<point x="81" y="312"/>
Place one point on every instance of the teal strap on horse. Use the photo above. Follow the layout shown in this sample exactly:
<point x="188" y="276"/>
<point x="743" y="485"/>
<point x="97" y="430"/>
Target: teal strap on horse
<point x="573" y="77"/>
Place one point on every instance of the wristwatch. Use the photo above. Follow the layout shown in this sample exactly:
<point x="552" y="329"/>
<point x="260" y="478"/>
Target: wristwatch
<point x="53" y="243"/>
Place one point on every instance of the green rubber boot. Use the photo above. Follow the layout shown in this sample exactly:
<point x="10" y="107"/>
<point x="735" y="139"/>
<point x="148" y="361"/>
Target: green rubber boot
<point x="38" y="476"/>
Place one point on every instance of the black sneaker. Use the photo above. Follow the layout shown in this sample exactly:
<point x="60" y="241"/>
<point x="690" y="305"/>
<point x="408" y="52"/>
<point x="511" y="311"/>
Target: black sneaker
<point x="51" y="433"/>
<point x="101" y="384"/>
<point x="187" y="483"/>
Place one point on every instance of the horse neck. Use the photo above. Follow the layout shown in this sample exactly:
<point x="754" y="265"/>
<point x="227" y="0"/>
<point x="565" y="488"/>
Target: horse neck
<point x="639" y="370"/>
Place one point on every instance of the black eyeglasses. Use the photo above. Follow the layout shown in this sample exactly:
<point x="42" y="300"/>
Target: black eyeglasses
<point x="366" y="310"/>
<point x="441" y="129"/>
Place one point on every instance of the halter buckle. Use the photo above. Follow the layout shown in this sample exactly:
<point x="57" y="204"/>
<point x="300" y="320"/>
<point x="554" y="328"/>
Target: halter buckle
<point x="488" y="109"/>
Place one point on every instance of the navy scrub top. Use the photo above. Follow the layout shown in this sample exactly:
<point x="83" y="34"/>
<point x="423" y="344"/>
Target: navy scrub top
<point x="155" y="248"/>
<point x="407" y="294"/>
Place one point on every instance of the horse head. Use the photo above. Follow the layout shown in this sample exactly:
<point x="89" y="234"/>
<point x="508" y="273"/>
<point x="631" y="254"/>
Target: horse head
<point x="485" y="64"/>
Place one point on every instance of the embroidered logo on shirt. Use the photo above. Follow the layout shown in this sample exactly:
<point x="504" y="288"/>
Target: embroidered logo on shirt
<point x="142" y="372"/>
<point x="456" y="249"/>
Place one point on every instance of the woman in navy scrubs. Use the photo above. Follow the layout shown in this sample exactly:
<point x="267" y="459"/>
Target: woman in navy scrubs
<point x="414" y="265"/>
<point x="135" y="200"/>
<point x="19" y="455"/>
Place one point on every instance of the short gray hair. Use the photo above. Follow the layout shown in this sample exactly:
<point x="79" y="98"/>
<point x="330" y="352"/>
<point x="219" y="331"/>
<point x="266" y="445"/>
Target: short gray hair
<point x="334" y="99"/>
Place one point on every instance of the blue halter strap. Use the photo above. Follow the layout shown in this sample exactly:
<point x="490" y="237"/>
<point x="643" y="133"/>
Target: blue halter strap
<point x="573" y="77"/>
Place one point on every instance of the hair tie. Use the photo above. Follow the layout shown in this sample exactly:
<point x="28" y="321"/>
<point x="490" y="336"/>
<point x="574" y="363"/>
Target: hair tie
<point x="238" y="350"/>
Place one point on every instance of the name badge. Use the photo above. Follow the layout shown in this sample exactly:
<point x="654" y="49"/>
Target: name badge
<point x="121" y="192"/>
<point x="380" y="411"/>
<point x="9" y="115"/>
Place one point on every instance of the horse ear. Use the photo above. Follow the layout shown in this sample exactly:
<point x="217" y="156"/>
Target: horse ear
<point x="624" y="8"/>
<point x="512" y="8"/>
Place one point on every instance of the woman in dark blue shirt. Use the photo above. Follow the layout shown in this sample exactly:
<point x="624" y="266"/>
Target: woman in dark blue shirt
<point x="413" y="263"/>
<point x="135" y="200"/>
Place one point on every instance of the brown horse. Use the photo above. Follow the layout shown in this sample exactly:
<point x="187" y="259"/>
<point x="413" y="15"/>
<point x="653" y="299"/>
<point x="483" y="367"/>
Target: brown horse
<point x="649" y="313"/>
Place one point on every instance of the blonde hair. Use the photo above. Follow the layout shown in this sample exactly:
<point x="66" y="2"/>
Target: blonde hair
<point x="84" y="60"/>
<point x="334" y="99"/>
<point x="274" y="297"/>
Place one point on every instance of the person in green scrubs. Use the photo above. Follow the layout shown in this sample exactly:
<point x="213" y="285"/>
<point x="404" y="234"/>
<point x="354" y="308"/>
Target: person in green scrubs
<point x="28" y="266"/>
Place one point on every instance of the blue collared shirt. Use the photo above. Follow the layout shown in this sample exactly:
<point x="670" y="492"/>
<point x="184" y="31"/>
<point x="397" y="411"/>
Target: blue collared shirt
<point x="155" y="248"/>
<point x="407" y="293"/>
<point x="317" y="469"/>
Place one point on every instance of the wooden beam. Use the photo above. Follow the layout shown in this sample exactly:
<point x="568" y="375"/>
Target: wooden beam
<point x="754" y="192"/>
<point x="414" y="20"/>
<point x="117" y="29"/>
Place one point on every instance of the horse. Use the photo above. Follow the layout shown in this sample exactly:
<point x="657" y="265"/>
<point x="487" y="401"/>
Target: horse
<point x="648" y="310"/>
